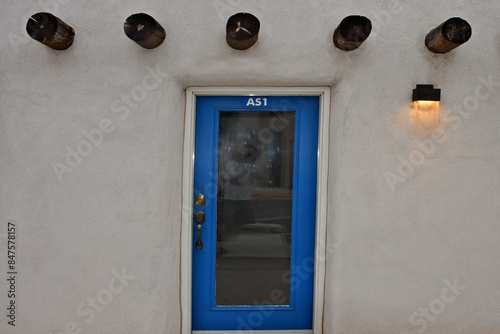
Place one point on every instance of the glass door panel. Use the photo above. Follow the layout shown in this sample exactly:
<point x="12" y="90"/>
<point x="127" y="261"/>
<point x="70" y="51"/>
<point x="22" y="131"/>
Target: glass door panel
<point x="254" y="207"/>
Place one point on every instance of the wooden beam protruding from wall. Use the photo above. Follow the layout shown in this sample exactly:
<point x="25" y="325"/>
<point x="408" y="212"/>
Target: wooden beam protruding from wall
<point x="50" y="30"/>
<point x="448" y="35"/>
<point x="144" y="30"/>
<point x="242" y="31"/>
<point x="352" y="32"/>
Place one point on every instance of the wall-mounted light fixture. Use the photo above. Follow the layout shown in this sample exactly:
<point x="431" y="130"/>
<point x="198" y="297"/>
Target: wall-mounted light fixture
<point x="425" y="114"/>
<point x="50" y="30"/>
<point x="144" y="30"/>
<point x="448" y="35"/>
<point x="242" y="31"/>
<point x="352" y="32"/>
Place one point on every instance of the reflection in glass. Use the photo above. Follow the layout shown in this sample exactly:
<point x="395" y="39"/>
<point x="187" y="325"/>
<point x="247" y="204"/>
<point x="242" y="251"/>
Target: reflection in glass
<point x="254" y="208"/>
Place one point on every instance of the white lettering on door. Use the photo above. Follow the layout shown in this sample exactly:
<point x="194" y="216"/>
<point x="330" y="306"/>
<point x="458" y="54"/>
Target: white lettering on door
<point x="257" y="102"/>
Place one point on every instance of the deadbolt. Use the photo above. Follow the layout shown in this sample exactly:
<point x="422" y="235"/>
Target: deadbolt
<point x="200" y="200"/>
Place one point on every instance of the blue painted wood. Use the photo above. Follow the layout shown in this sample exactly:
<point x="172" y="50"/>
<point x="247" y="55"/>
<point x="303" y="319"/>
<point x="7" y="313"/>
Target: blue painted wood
<point x="206" y="315"/>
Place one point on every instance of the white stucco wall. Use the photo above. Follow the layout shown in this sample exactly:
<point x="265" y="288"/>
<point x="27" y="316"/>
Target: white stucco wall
<point x="393" y="250"/>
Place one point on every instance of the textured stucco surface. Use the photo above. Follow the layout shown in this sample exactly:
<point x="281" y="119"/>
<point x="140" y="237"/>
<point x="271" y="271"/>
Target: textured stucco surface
<point x="119" y="207"/>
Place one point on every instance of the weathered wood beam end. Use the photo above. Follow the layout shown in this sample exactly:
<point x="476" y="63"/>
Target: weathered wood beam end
<point x="352" y="32"/>
<point x="144" y="30"/>
<point x="448" y="35"/>
<point x="50" y="30"/>
<point x="242" y="31"/>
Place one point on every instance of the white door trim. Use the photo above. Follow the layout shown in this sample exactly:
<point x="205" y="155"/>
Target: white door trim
<point x="187" y="194"/>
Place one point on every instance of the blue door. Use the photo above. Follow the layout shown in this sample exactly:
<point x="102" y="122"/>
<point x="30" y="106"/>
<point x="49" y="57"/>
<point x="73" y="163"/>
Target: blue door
<point x="254" y="212"/>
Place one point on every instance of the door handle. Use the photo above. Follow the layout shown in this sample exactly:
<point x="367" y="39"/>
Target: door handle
<point x="199" y="218"/>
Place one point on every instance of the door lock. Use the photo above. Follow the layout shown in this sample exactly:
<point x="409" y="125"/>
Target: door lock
<point x="200" y="200"/>
<point x="199" y="218"/>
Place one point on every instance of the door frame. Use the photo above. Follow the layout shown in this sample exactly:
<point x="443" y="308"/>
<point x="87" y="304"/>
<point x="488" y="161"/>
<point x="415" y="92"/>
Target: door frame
<point x="185" y="277"/>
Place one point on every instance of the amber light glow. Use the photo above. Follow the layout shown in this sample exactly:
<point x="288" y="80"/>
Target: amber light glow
<point x="425" y="112"/>
<point x="425" y="116"/>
